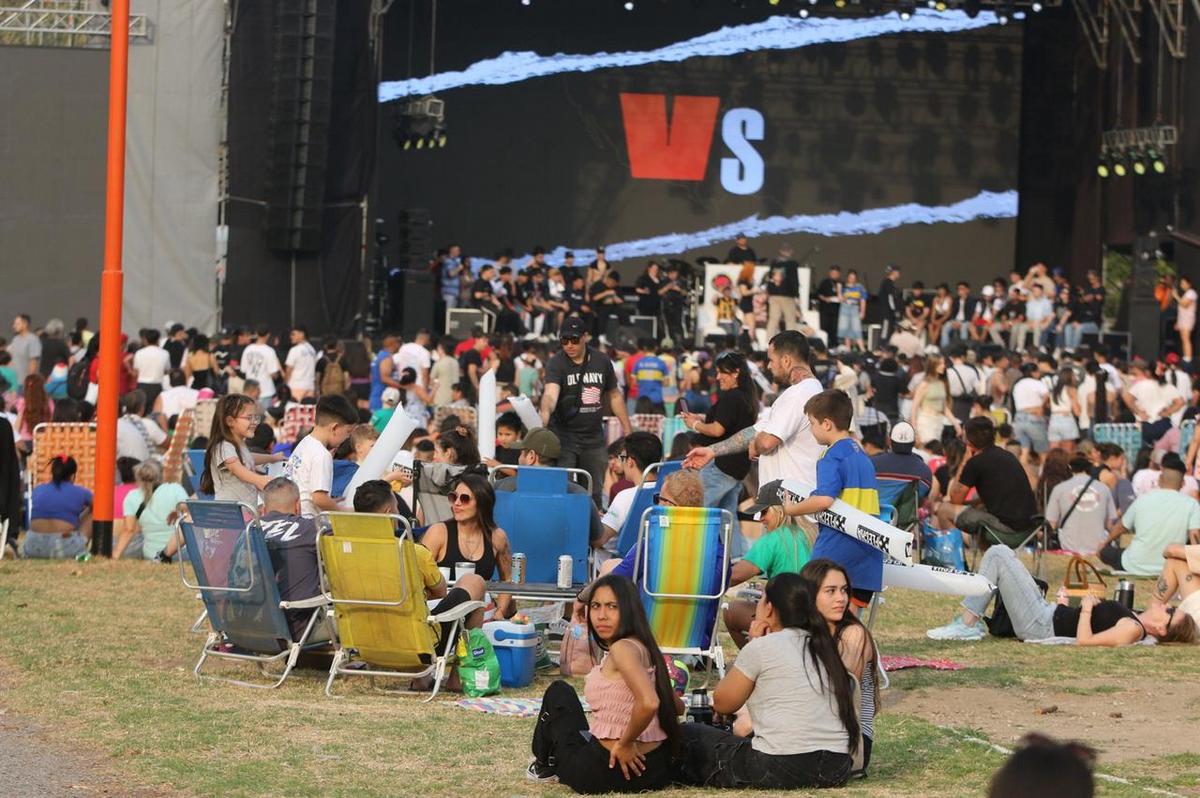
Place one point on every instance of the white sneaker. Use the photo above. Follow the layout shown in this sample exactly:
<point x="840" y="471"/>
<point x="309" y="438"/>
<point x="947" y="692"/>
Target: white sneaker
<point x="957" y="630"/>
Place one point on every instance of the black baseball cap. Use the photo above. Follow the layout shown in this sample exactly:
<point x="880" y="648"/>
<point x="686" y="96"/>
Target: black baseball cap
<point x="768" y="496"/>
<point x="572" y="327"/>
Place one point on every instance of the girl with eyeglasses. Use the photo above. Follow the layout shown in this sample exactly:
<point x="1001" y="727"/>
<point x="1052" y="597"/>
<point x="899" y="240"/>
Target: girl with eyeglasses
<point x="230" y="468"/>
<point x="472" y="536"/>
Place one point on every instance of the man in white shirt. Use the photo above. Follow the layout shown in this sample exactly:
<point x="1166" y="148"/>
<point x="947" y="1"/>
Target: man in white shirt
<point x="138" y="437"/>
<point x="260" y="363"/>
<point x="966" y="382"/>
<point x="783" y="443"/>
<point x="151" y="363"/>
<point x="641" y="450"/>
<point x="178" y="397"/>
<point x="1151" y="402"/>
<point x="415" y="355"/>
<point x="301" y="365"/>
<point x="1039" y="313"/>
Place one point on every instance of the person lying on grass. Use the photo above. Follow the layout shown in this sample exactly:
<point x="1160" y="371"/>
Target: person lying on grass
<point x="1093" y="623"/>
<point x="800" y="698"/>
<point x="631" y="742"/>
<point x="376" y="496"/>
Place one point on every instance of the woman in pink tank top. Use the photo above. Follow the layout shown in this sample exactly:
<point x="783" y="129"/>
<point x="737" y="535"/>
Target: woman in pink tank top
<point x="633" y="738"/>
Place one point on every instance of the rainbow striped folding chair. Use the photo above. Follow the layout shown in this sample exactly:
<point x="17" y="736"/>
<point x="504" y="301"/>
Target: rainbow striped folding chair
<point x="682" y="567"/>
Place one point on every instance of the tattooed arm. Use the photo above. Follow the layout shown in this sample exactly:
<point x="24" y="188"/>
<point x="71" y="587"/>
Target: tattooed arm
<point x="737" y="442"/>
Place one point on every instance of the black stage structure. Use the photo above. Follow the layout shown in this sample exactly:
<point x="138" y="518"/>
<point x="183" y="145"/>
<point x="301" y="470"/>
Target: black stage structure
<point x="313" y="163"/>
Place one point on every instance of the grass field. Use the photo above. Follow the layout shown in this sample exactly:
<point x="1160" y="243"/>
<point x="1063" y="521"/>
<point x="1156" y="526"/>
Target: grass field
<point x="98" y="656"/>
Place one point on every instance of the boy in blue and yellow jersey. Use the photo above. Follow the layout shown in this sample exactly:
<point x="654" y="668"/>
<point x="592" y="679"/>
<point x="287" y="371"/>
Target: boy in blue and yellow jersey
<point x="844" y="472"/>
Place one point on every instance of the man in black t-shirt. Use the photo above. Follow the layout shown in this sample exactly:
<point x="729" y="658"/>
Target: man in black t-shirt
<point x="649" y="290"/>
<point x="579" y="385"/>
<point x="673" y="299"/>
<point x="783" y="292"/>
<point x="1000" y="480"/>
<point x="741" y="251"/>
<point x="292" y="544"/>
<point x="828" y="304"/>
<point x="176" y="345"/>
<point x="890" y="302"/>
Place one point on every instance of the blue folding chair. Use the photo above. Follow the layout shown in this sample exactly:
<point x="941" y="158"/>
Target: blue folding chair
<point x="235" y="579"/>
<point x="544" y="521"/>
<point x="643" y="500"/>
<point x="195" y="461"/>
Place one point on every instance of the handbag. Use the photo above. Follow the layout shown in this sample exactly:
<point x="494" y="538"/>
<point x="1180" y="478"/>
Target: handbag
<point x="1077" y="583"/>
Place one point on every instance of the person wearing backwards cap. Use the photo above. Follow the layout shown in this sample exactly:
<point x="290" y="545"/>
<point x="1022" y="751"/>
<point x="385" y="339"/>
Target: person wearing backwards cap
<point x="901" y="464"/>
<point x="541" y="447"/>
<point x="783" y="547"/>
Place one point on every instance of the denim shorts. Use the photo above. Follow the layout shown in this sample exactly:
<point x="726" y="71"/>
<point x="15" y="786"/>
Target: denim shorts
<point x="1063" y="427"/>
<point x="53" y="546"/>
<point x="1031" y="431"/>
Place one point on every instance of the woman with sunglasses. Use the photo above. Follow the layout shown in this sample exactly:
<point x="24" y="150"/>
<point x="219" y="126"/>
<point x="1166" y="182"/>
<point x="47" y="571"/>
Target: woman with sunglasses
<point x="230" y="473"/>
<point x="472" y="536"/>
<point x="1093" y="623"/>
<point x="735" y="410"/>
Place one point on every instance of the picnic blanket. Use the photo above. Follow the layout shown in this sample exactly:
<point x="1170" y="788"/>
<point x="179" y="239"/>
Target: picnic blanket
<point x="508" y="707"/>
<point x="899" y="663"/>
<point x="1070" y="641"/>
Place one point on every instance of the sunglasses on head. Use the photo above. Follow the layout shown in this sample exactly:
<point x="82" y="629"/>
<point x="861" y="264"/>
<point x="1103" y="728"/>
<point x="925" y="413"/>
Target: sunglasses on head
<point x="461" y="498"/>
<point x="569" y="339"/>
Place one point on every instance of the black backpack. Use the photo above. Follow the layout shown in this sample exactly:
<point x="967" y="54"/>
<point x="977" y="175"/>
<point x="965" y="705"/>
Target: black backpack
<point x="78" y="379"/>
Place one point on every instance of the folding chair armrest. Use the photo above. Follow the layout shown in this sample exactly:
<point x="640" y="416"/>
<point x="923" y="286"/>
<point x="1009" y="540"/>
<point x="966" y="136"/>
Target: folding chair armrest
<point x="455" y="613"/>
<point x="304" y="604"/>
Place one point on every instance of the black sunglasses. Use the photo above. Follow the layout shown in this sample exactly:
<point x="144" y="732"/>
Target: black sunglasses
<point x="661" y="499"/>
<point x="569" y="339"/>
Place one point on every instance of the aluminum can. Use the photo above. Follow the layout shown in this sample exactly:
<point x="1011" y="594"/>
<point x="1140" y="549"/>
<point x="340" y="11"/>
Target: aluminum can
<point x="566" y="570"/>
<point x="518" y="568"/>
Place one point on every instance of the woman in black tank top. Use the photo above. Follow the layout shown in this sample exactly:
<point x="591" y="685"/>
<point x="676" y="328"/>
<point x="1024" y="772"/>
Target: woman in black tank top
<point x="472" y="536"/>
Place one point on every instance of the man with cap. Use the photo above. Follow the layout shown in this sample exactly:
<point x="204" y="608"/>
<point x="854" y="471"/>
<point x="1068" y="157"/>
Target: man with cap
<point x="541" y="448"/>
<point x="580" y="386"/>
<point x="782" y="548"/>
<point x="741" y="251"/>
<point x="900" y="466"/>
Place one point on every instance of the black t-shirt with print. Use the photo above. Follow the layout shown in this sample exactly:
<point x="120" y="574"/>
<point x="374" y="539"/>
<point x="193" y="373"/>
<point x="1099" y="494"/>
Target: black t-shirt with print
<point x="578" y="417"/>
<point x="1003" y="486"/>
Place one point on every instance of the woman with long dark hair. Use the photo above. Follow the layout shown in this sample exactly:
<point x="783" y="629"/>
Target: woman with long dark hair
<point x="33" y="408"/>
<point x="199" y="365"/>
<point x="10" y="484"/>
<point x="831" y="586"/>
<point x="456" y="447"/>
<point x="472" y="538"/>
<point x="230" y="473"/>
<point x="931" y="410"/>
<point x="1064" y="410"/>
<point x="60" y="524"/>
<point x="800" y="699"/>
<point x="634" y="734"/>
<point x="736" y="409"/>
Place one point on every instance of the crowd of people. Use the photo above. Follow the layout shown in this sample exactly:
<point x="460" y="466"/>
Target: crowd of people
<point x="982" y="405"/>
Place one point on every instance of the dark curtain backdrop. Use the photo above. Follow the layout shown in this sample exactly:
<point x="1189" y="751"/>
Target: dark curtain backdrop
<point x="327" y="289"/>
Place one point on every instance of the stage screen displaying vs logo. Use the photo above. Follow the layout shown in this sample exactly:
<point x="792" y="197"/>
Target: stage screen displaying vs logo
<point x="678" y="149"/>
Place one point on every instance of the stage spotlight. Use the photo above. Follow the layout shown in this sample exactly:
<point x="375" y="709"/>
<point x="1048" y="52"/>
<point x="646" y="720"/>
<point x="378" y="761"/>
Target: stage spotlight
<point x="1157" y="162"/>
<point x="526" y="2"/>
<point x="1104" y="168"/>
<point x="937" y="5"/>
<point x="1119" y="167"/>
<point x="628" y="5"/>
<point x="907" y="10"/>
<point x="773" y="2"/>
<point x="1036" y="7"/>
<point x="1138" y="163"/>
<point x="803" y="13"/>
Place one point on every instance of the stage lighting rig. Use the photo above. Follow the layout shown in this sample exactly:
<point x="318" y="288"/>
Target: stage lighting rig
<point x="1138" y="151"/>
<point x="421" y="124"/>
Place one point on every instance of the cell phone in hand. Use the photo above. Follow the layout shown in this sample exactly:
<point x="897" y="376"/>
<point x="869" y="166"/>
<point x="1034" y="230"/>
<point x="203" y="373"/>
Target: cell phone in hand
<point x="681" y="405"/>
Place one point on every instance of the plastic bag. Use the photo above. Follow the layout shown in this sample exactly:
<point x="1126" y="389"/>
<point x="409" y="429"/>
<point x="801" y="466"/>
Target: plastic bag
<point x="943" y="548"/>
<point x="478" y="665"/>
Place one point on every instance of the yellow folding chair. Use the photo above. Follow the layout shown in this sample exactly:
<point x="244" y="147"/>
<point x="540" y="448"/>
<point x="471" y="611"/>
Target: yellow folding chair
<point x="371" y="578"/>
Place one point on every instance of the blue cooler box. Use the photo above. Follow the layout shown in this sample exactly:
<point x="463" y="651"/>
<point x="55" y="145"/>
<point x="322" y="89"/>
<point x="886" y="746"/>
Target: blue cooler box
<point x="516" y="648"/>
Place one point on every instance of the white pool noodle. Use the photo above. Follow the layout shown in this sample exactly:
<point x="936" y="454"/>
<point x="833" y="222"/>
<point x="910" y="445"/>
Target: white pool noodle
<point x="487" y="415"/>
<point x="383" y="453"/>
<point x="854" y="522"/>
<point x="523" y="407"/>
<point x="935" y="579"/>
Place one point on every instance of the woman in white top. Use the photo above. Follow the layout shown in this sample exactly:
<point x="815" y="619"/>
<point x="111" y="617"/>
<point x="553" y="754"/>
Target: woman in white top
<point x="1185" y="319"/>
<point x="1064" y="407"/>
<point x="801" y="701"/>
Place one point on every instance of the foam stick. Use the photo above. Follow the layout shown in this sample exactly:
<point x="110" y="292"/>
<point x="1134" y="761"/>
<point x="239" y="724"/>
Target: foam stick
<point x="487" y="415"/>
<point x="383" y="453"/>
<point x="935" y="579"/>
<point x="855" y="523"/>
<point x="525" y="409"/>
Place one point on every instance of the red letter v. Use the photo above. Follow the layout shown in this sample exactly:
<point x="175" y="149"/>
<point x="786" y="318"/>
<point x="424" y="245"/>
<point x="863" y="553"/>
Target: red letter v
<point x="678" y="151"/>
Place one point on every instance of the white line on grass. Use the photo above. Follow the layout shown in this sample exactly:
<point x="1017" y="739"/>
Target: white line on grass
<point x="1102" y="776"/>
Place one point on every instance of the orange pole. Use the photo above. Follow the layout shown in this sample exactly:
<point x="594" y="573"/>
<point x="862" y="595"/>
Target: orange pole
<point x="111" y="281"/>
